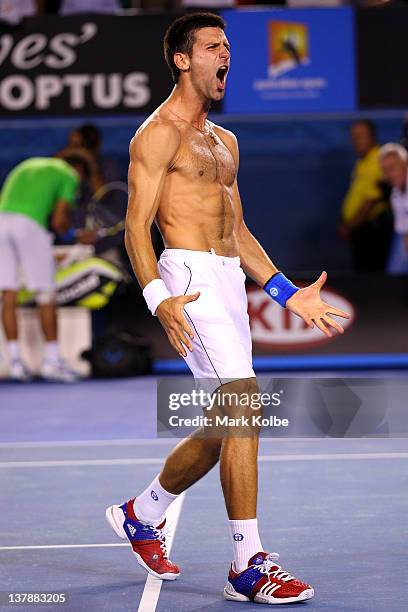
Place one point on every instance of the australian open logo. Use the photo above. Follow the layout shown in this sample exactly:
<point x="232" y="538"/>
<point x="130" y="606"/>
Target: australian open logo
<point x="238" y="537"/>
<point x="154" y="495"/>
<point x="288" y="46"/>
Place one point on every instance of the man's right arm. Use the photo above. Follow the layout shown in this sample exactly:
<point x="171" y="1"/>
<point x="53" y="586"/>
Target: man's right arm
<point x="152" y="152"/>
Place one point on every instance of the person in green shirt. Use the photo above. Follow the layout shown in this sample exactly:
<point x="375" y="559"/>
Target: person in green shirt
<point x="37" y="194"/>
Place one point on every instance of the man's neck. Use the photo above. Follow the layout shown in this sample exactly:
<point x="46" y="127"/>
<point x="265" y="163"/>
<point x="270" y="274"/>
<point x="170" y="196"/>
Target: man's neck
<point x="188" y="105"/>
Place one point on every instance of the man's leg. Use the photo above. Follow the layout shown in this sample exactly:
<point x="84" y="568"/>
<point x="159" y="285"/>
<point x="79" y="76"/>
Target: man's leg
<point x="48" y="318"/>
<point x="239" y="477"/>
<point x="141" y="520"/>
<point x="9" y="320"/>
<point x="9" y="314"/>
<point x="255" y="574"/>
<point x="53" y="366"/>
<point x="187" y="463"/>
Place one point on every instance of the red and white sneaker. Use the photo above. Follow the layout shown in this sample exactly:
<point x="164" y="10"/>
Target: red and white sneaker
<point x="264" y="581"/>
<point x="148" y="542"/>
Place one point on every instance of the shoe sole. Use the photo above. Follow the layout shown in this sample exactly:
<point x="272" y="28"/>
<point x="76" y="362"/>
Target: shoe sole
<point x="113" y="516"/>
<point x="232" y="595"/>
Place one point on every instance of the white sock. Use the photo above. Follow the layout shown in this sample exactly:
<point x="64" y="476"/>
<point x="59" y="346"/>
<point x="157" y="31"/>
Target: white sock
<point x="245" y="542"/>
<point x="51" y="352"/>
<point x="13" y="348"/>
<point x="151" y="505"/>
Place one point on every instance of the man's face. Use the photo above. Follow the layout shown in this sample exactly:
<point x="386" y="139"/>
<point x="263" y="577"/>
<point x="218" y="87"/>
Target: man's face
<point x="361" y="139"/>
<point x="394" y="170"/>
<point x="209" y="62"/>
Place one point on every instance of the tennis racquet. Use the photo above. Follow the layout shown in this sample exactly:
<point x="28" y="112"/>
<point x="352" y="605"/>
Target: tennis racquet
<point x="106" y="211"/>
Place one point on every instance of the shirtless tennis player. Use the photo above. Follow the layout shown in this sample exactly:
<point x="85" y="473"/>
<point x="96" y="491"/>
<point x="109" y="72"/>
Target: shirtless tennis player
<point x="183" y="174"/>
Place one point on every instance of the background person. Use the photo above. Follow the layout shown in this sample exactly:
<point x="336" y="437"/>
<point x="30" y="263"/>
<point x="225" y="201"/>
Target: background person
<point x="86" y="140"/>
<point x="366" y="219"/>
<point x="36" y="193"/>
<point x="394" y="163"/>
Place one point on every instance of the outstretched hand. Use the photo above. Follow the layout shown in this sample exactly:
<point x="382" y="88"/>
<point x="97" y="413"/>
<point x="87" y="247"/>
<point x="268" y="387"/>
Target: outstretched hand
<point x="170" y="313"/>
<point x="308" y="305"/>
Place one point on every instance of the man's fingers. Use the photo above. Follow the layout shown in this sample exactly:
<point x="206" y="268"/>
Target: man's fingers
<point x="336" y="311"/>
<point x="192" y="297"/>
<point x="321" y="280"/>
<point x="185" y="326"/>
<point x="184" y="337"/>
<point x="180" y="337"/>
<point x="177" y="344"/>
<point x="323" y="327"/>
<point x="328" y="320"/>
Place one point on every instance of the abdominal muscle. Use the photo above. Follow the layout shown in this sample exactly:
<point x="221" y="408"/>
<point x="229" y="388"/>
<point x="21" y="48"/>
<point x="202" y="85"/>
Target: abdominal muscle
<point x="197" y="215"/>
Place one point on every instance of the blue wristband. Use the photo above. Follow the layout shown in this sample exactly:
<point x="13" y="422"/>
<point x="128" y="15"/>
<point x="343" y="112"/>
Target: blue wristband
<point x="280" y="288"/>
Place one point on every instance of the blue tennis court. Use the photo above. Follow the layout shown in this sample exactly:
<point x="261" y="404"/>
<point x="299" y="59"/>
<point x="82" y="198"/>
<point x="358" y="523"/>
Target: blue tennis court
<point x="335" y="509"/>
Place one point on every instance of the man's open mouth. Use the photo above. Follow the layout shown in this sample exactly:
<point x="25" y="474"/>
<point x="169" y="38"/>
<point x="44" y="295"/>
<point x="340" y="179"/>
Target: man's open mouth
<point x="221" y="76"/>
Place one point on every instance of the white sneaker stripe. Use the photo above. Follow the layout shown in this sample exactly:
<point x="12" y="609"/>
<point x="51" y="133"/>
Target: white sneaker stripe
<point x="267" y="587"/>
<point x="275" y="588"/>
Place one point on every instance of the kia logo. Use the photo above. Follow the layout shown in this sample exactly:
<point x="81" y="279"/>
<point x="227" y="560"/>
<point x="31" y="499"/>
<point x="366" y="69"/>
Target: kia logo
<point x="279" y="328"/>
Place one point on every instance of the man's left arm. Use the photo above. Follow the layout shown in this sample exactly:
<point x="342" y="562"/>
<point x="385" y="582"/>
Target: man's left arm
<point x="305" y="302"/>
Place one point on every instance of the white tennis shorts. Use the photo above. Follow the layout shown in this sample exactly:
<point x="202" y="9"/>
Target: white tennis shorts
<point x="222" y="346"/>
<point x="26" y="257"/>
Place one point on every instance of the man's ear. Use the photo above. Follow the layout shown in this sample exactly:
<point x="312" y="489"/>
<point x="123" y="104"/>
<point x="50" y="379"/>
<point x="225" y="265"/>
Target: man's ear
<point x="182" y="61"/>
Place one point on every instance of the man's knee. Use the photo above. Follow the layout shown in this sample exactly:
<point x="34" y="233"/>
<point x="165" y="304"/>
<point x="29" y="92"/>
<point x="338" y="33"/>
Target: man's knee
<point x="241" y="394"/>
<point x="237" y="406"/>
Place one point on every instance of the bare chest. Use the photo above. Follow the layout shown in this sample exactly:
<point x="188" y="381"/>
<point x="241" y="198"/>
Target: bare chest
<point x="205" y="157"/>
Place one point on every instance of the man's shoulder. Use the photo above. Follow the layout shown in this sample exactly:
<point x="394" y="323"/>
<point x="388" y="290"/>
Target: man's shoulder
<point x="156" y="131"/>
<point x="156" y="141"/>
<point x="157" y="125"/>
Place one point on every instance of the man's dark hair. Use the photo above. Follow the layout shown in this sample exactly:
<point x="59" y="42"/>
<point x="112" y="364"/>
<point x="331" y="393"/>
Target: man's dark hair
<point x="179" y="37"/>
<point x="90" y="135"/>
<point x="369" y="125"/>
<point x="78" y="160"/>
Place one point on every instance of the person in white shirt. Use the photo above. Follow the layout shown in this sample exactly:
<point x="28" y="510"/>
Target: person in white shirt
<point x="394" y="162"/>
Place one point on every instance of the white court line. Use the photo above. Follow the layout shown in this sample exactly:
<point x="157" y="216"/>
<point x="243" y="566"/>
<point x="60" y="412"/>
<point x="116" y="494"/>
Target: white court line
<point x="151" y="591"/>
<point x="74" y="443"/>
<point x="51" y="546"/>
<point x="82" y="462"/>
<point x="159" y="441"/>
<point x="152" y="588"/>
<point x="333" y="456"/>
<point x="160" y="460"/>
